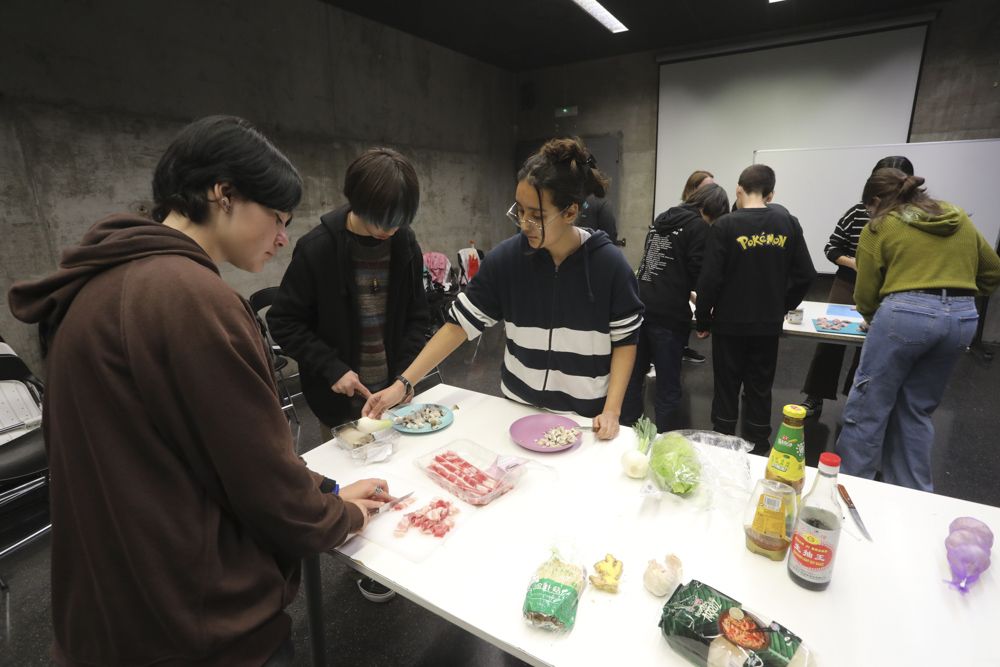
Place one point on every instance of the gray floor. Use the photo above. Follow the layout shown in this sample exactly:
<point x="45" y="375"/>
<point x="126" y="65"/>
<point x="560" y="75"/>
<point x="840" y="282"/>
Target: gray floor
<point x="966" y="465"/>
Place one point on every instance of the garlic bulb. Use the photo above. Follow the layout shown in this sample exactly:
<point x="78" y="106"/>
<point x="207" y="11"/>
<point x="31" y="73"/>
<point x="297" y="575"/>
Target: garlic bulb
<point x="661" y="579"/>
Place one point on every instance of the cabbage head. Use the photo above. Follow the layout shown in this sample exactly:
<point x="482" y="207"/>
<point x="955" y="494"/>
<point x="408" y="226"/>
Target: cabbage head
<point x="674" y="464"/>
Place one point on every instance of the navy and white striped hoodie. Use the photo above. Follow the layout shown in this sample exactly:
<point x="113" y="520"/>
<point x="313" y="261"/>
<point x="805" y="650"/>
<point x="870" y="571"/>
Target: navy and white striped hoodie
<point x="561" y="322"/>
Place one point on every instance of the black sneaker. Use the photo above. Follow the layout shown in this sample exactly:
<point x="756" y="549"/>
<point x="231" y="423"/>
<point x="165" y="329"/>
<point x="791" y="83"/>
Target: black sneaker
<point x="374" y="591"/>
<point x="813" y="406"/>
<point x="693" y="356"/>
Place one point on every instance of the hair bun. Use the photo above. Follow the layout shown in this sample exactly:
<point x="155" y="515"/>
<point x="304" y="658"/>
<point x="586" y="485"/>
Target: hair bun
<point x="567" y="168"/>
<point x="909" y="184"/>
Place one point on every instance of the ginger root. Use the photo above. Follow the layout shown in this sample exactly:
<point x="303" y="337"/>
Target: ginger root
<point x="608" y="572"/>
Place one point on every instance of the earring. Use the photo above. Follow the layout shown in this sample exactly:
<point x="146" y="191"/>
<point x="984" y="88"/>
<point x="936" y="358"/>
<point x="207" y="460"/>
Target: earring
<point x="224" y="202"/>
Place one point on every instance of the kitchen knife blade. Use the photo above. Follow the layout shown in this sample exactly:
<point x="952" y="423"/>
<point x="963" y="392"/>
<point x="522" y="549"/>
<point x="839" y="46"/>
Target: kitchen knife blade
<point x="854" y="511"/>
<point x="392" y="503"/>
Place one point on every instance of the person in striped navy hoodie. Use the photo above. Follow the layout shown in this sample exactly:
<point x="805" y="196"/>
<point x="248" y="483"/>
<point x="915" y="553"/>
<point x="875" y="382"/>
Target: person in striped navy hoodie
<point x="567" y="296"/>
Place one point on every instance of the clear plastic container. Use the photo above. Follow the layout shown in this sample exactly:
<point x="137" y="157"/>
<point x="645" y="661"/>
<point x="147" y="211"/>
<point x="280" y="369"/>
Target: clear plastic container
<point x="364" y="447"/>
<point x="472" y="473"/>
<point x="769" y="519"/>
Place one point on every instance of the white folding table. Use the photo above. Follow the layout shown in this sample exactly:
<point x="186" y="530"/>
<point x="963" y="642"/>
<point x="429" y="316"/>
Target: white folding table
<point x="888" y="603"/>
<point x="812" y="310"/>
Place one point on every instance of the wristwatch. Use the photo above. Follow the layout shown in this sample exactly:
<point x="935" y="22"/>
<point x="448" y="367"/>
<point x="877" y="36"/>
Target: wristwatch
<point x="330" y="486"/>
<point x="406" y="385"/>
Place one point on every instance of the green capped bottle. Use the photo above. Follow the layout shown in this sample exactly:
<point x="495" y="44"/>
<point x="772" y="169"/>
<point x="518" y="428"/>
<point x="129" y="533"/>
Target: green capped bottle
<point x="786" y="462"/>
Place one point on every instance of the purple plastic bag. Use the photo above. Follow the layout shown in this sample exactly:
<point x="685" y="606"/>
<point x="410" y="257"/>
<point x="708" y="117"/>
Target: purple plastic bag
<point x="968" y="547"/>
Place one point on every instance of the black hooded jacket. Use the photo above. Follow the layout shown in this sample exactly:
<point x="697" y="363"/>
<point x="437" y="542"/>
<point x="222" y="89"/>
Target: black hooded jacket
<point x="315" y="313"/>
<point x="671" y="262"/>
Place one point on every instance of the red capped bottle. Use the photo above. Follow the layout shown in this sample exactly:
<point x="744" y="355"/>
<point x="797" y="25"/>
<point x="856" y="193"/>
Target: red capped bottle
<point x="817" y="529"/>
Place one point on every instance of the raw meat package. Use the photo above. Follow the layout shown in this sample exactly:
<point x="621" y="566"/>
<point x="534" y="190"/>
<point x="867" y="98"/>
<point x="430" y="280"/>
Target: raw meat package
<point x="472" y="473"/>
<point x="554" y="593"/>
<point x="712" y="629"/>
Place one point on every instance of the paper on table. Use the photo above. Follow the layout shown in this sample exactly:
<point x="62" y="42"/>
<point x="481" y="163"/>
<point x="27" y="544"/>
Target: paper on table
<point x="17" y="406"/>
<point x="840" y="310"/>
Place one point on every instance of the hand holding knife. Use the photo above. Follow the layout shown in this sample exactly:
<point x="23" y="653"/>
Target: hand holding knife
<point x="854" y="511"/>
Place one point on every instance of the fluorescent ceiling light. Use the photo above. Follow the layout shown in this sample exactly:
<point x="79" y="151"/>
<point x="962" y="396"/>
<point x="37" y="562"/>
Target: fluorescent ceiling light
<point x="603" y="16"/>
<point x="774" y="1"/>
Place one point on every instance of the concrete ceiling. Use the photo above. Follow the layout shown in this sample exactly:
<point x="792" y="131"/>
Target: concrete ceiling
<point x="526" y="34"/>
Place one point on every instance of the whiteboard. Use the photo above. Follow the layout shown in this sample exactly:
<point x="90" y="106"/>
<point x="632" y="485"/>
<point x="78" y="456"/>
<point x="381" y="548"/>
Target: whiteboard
<point x="714" y="112"/>
<point x="818" y="185"/>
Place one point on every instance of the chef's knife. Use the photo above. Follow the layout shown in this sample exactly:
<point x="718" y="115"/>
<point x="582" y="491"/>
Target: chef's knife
<point x="854" y="512"/>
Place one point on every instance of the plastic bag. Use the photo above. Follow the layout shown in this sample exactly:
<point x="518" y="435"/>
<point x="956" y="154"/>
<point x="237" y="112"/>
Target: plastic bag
<point x="968" y="545"/>
<point x="721" y="476"/>
<point x="554" y="593"/>
<point x="710" y="628"/>
<point x="365" y="447"/>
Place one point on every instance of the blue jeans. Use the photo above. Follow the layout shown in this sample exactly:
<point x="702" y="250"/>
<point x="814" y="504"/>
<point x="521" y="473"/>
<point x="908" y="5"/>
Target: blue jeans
<point x="664" y="348"/>
<point x="909" y="353"/>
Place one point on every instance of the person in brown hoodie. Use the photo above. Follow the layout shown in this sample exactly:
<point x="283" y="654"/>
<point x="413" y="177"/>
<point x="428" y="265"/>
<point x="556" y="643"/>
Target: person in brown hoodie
<point x="179" y="509"/>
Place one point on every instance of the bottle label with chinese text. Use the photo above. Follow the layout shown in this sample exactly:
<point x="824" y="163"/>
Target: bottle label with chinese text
<point x="812" y="551"/>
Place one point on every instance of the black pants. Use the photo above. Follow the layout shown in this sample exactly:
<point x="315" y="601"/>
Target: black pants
<point x="747" y="363"/>
<point x="824" y="371"/>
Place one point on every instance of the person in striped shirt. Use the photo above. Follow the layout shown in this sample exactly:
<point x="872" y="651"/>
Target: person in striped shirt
<point x="824" y="370"/>
<point x="568" y="298"/>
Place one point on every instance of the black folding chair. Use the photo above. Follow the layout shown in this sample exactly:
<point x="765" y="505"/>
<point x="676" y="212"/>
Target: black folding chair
<point x="24" y="478"/>
<point x="259" y="302"/>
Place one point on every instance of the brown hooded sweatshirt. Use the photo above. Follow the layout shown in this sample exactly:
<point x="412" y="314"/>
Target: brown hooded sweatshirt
<point x="179" y="508"/>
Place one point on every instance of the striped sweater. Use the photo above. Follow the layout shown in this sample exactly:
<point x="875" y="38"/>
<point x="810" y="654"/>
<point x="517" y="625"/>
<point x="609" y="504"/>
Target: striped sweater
<point x="844" y="240"/>
<point x="561" y="322"/>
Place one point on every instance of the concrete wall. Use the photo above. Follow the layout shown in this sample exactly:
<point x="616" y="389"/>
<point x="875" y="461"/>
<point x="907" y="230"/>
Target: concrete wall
<point x="959" y="90"/>
<point x="958" y="98"/>
<point x="614" y="96"/>
<point x="92" y="92"/>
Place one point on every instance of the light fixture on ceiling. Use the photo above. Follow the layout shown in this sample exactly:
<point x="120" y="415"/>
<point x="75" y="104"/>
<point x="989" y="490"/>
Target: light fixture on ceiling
<point x="603" y="16"/>
<point x="771" y="2"/>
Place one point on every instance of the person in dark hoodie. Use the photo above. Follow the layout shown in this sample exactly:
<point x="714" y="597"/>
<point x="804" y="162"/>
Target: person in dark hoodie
<point x="668" y="273"/>
<point x="756" y="268"/>
<point x="351" y="309"/>
<point x="180" y="511"/>
<point x="597" y="215"/>
<point x="920" y="264"/>
<point x="567" y="296"/>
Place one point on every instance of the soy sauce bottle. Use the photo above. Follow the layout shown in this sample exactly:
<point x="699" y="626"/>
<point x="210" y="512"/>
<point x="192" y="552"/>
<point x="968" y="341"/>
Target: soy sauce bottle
<point x="817" y="529"/>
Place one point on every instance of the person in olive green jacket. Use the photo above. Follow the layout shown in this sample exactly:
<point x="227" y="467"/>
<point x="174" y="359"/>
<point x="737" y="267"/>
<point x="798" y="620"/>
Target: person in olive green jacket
<point x="921" y="262"/>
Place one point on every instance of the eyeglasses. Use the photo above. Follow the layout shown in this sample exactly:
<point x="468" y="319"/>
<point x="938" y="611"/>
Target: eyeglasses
<point x="522" y="218"/>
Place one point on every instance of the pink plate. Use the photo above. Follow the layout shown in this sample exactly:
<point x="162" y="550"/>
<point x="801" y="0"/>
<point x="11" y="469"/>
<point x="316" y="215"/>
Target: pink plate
<point x="526" y="430"/>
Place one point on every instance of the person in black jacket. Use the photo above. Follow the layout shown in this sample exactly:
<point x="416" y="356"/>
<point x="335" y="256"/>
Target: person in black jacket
<point x="698" y="178"/>
<point x="351" y="309"/>
<point x="668" y="273"/>
<point x="596" y="214"/>
<point x="756" y="268"/>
